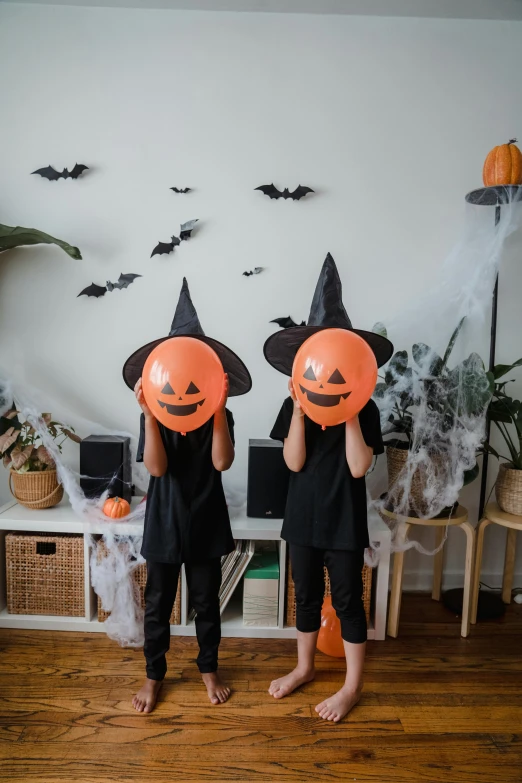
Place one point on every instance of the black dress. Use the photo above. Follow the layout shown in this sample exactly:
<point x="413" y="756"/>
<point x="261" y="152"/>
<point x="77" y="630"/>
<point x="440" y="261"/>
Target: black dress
<point x="186" y="519"/>
<point x="326" y="507"/>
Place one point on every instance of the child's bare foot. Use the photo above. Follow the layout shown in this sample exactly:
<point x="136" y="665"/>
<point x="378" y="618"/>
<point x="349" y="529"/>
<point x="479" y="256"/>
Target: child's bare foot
<point x="337" y="706"/>
<point x="218" y="692"/>
<point x="145" y="699"/>
<point x="286" y="685"/>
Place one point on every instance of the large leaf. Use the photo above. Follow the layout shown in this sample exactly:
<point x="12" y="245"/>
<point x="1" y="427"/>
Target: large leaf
<point x="379" y="328"/>
<point x="397" y="367"/>
<point x="501" y="369"/>
<point x="427" y="359"/>
<point x="451" y="343"/>
<point x="470" y="390"/>
<point x="471" y="475"/>
<point x="15" y="236"/>
<point x="502" y="411"/>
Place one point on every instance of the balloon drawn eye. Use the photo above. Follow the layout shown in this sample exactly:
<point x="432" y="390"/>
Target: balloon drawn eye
<point x="167" y="389"/>
<point x="310" y="374"/>
<point x="192" y="389"/>
<point x="336" y="377"/>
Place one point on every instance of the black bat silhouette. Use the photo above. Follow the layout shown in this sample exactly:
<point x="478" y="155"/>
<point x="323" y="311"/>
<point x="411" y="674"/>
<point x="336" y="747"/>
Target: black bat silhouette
<point x="167" y="247"/>
<point x="287" y="322"/>
<point x="181" y="190"/>
<point x="124" y="281"/>
<point x="53" y="175"/>
<point x="255" y="271"/>
<point x="273" y="192"/>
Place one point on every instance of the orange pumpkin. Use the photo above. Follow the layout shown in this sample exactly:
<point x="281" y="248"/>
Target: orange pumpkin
<point x="503" y="165"/>
<point x="116" y="508"/>
<point x="334" y="375"/>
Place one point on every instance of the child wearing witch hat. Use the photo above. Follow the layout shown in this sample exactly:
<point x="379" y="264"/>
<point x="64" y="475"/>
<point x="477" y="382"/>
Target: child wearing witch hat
<point x="326" y="516"/>
<point x="186" y="517"/>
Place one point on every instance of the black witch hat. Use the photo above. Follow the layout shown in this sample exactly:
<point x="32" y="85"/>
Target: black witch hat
<point x="186" y="323"/>
<point x="327" y="312"/>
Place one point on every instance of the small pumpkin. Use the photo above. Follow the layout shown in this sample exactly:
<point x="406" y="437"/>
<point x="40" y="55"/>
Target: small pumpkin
<point x="116" y="508"/>
<point x="503" y="165"/>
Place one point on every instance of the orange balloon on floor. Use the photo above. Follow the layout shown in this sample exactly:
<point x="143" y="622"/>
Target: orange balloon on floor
<point x="329" y="640"/>
<point x="334" y="375"/>
<point x="183" y="383"/>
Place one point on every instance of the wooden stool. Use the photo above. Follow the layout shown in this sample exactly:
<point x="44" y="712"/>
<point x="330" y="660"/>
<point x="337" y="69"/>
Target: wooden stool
<point x="494" y="516"/>
<point x="460" y="519"/>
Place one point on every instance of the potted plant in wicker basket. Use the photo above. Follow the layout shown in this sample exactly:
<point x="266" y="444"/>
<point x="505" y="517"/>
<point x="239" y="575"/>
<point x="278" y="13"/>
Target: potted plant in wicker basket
<point x="506" y="414"/>
<point x="33" y="479"/>
<point x="447" y="398"/>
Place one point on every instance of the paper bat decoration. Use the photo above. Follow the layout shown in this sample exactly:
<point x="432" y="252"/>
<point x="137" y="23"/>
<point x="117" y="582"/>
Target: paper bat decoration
<point x="273" y="192"/>
<point x="287" y="322"/>
<point x="181" y="190"/>
<point x="123" y="281"/>
<point x="52" y="175"/>
<point x="184" y="233"/>
<point x="254" y="271"/>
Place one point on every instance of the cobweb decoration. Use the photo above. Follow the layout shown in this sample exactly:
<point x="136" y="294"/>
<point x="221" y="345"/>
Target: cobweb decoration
<point x="114" y="556"/>
<point x="430" y="402"/>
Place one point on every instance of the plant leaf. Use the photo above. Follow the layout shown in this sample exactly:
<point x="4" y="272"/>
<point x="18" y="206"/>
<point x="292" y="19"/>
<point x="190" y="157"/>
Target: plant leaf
<point x="397" y="367"/>
<point x="471" y="474"/>
<point x="501" y="369"/>
<point x="379" y="328"/>
<point x="451" y="343"/>
<point x="427" y="359"/>
<point x="15" y="236"/>
<point x="43" y="455"/>
<point x="72" y="435"/>
<point x="7" y="439"/>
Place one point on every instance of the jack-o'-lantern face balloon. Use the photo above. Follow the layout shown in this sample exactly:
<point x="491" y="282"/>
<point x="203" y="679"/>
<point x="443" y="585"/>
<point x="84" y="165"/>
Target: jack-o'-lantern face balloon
<point x="183" y="383"/>
<point x="334" y="375"/>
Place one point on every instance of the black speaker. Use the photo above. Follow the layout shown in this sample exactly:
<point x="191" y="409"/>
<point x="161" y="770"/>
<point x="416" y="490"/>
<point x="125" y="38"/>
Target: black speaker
<point x="105" y="464"/>
<point x="268" y="479"/>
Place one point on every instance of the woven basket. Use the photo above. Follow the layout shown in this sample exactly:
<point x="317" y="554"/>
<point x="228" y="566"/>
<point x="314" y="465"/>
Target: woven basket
<point x="36" y="489"/>
<point x="417" y="505"/>
<point x="45" y="574"/>
<point x="508" y="490"/>
<point x="290" y="592"/>
<point x="139" y="576"/>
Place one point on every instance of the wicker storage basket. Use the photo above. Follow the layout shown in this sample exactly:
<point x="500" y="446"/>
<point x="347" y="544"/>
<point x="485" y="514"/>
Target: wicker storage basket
<point x="36" y="489"/>
<point x="290" y="592"/>
<point x="397" y="459"/>
<point x="45" y="574"/>
<point x="508" y="490"/>
<point x="140" y="579"/>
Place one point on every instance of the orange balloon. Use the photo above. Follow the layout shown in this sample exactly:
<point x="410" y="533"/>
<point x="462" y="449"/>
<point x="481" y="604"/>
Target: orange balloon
<point x="334" y="375"/>
<point x="330" y="640"/>
<point x="183" y="383"/>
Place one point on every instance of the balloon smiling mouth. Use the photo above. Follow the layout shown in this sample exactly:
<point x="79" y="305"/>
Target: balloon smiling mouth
<point x="323" y="400"/>
<point x="180" y="410"/>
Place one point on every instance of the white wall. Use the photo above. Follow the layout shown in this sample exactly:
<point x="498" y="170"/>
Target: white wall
<point x="388" y="120"/>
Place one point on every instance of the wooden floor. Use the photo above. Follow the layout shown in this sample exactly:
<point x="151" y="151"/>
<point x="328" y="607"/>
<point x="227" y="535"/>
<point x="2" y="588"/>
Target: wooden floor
<point x="435" y="708"/>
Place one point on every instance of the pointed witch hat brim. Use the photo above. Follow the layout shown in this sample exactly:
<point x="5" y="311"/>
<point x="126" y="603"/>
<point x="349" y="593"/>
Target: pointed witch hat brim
<point x="327" y="312"/>
<point x="186" y="324"/>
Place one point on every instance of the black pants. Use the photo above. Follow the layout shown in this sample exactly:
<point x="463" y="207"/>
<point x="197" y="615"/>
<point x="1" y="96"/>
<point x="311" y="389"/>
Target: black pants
<point x="204" y="581"/>
<point x="345" y="570"/>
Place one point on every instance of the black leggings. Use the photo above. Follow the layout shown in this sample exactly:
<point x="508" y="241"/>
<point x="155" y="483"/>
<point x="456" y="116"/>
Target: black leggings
<point x="203" y="581"/>
<point x="345" y="570"/>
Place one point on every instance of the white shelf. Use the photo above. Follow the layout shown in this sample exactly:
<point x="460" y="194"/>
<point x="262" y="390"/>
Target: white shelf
<point x="61" y="519"/>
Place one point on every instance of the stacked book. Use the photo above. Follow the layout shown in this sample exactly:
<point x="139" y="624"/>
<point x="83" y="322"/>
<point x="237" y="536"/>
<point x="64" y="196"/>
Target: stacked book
<point x="233" y="566"/>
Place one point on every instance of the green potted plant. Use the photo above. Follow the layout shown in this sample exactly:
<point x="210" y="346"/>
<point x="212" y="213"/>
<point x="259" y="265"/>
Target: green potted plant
<point x="506" y="414"/>
<point x="16" y="236"/>
<point x="444" y="399"/>
<point x="33" y="479"/>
